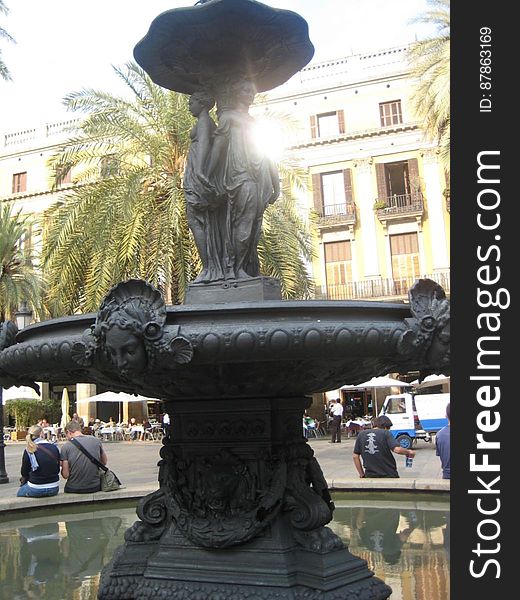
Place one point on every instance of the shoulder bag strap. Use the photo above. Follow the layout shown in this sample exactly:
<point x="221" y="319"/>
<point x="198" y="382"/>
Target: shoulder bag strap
<point x="88" y="455"/>
<point x="48" y="452"/>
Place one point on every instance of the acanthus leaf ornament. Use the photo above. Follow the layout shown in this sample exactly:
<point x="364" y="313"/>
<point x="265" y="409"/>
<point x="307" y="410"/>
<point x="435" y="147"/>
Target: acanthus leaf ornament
<point x="428" y="337"/>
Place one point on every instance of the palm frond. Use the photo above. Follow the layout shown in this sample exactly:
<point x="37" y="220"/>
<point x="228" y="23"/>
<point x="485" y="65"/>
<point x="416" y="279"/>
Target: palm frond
<point x="132" y="222"/>
<point x="430" y="62"/>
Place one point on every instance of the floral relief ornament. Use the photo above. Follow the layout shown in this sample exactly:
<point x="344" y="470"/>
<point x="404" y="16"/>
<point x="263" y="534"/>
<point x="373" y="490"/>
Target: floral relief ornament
<point x="130" y="334"/>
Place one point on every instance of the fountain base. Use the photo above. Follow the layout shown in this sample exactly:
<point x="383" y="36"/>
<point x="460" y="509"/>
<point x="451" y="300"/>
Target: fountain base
<point x="241" y="512"/>
<point x="269" y="567"/>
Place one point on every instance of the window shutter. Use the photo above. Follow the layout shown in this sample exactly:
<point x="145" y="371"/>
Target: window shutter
<point x="341" y="121"/>
<point x="413" y="173"/>
<point x="314" y="127"/>
<point x="381" y="181"/>
<point x="317" y="193"/>
<point x="347" y="177"/>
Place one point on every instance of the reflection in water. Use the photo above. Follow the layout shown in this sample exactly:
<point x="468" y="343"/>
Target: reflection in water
<point x="59" y="558"/>
<point x="405" y="546"/>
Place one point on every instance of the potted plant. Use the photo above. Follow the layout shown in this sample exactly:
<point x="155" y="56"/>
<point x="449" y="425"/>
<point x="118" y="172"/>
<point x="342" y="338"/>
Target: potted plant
<point x="379" y="204"/>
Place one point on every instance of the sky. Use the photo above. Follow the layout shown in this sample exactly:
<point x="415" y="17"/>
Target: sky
<point x="64" y="46"/>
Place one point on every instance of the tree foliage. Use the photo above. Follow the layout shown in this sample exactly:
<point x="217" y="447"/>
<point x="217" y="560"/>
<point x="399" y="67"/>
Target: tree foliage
<point x="28" y="411"/>
<point x="19" y="280"/>
<point x="125" y="215"/>
<point x="430" y="61"/>
<point x="4" y="71"/>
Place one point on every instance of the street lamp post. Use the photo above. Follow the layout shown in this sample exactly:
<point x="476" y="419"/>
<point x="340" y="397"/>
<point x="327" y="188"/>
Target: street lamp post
<point x="23" y="318"/>
<point x="4" y="478"/>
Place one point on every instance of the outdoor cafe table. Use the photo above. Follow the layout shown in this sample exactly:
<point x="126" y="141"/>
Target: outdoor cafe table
<point x="353" y="427"/>
<point x="51" y="432"/>
<point x="111" y="432"/>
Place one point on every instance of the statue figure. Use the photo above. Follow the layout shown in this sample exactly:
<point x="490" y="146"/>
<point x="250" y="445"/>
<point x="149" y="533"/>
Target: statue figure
<point x="236" y="183"/>
<point x="201" y="206"/>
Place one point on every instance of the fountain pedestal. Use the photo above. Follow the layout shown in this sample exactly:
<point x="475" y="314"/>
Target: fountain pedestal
<point x="241" y="513"/>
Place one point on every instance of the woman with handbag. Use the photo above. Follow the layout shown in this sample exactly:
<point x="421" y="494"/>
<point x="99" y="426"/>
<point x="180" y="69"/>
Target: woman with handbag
<point x="81" y="473"/>
<point x="40" y="466"/>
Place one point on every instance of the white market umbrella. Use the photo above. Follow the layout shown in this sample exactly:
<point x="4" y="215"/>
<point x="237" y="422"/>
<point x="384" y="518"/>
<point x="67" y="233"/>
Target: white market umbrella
<point x="116" y="397"/>
<point x="431" y="380"/>
<point x="65" y="407"/>
<point x="377" y="382"/>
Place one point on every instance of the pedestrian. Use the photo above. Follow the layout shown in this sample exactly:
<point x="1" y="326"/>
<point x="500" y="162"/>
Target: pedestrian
<point x="336" y="410"/>
<point x="81" y="473"/>
<point x="78" y="419"/>
<point x="165" y="423"/>
<point x="442" y="446"/>
<point x="373" y="450"/>
<point x="40" y="466"/>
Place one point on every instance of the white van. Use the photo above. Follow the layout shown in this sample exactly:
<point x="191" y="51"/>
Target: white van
<point x="415" y="416"/>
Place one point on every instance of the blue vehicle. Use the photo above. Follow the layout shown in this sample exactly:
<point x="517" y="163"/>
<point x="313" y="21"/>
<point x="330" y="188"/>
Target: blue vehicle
<point x="415" y="416"/>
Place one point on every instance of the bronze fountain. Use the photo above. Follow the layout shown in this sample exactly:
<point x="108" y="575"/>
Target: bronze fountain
<point x="242" y="506"/>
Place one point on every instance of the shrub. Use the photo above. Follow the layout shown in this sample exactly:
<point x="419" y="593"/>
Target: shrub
<point x="27" y="411"/>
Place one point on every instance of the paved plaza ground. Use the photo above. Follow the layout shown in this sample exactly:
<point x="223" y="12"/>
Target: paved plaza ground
<point x="136" y="465"/>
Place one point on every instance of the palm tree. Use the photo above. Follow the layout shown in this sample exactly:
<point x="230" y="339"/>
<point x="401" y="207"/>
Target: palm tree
<point x="4" y="71"/>
<point x="19" y="281"/>
<point x="125" y="215"/>
<point x="430" y="61"/>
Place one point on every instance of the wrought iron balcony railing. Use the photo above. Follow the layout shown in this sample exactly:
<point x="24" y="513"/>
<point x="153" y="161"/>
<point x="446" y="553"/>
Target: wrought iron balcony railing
<point x="402" y="204"/>
<point x="378" y="289"/>
<point x="337" y="214"/>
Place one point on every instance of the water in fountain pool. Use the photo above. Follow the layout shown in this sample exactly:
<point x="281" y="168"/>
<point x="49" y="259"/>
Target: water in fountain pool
<point x="56" y="556"/>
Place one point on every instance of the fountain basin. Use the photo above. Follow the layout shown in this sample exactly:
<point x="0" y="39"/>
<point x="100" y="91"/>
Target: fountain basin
<point x="27" y="554"/>
<point x="239" y="350"/>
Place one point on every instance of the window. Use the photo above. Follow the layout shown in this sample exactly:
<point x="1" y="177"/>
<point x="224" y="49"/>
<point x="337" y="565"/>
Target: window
<point x="327" y="125"/>
<point x="338" y="268"/>
<point x="19" y="182"/>
<point x="390" y="113"/>
<point x="397" y="178"/>
<point x="399" y="184"/>
<point x="396" y="406"/>
<point x="333" y="192"/>
<point x="404" y="249"/>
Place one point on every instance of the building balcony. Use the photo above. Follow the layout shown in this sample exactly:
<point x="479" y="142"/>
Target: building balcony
<point x="334" y="215"/>
<point x="399" y="206"/>
<point x="379" y="289"/>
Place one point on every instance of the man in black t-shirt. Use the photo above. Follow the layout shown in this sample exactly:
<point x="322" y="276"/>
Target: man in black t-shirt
<point x="375" y="447"/>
